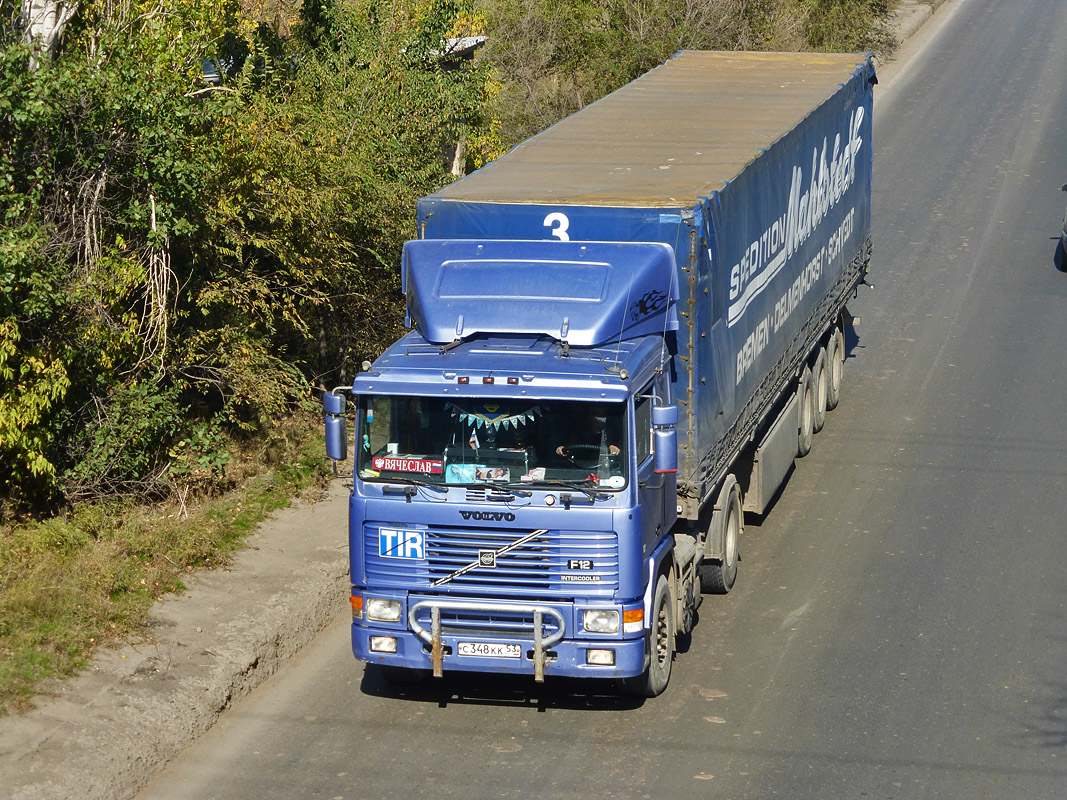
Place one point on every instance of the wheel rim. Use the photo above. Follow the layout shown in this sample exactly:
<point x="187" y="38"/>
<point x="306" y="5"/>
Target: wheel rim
<point x="837" y="363"/>
<point x="808" y="410"/>
<point x="663" y="646"/>
<point x="730" y="545"/>
<point x="821" y="388"/>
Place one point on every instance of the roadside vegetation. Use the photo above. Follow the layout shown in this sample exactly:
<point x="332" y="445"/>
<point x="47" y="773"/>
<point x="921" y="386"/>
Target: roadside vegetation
<point x="203" y="205"/>
<point x="72" y="582"/>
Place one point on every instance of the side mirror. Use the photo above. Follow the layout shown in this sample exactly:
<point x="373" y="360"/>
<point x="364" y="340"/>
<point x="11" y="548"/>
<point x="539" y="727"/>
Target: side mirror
<point x="664" y="416"/>
<point x="336" y="426"/>
<point x="665" y="438"/>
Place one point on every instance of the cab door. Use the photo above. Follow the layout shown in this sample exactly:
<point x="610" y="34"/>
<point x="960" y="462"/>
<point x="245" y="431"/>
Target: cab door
<point x="650" y="485"/>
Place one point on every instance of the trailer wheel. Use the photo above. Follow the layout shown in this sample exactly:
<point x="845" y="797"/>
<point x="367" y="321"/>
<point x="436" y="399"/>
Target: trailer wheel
<point x="806" y="393"/>
<point x="717" y="576"/>
<point x="660" y="645"/>
<point x="835" y="367"/>
<point x="820" y="376"/>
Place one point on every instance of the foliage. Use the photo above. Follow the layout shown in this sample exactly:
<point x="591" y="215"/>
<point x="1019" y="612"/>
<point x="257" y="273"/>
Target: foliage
<point x="119" y="447"/>
<point x="98" y="175"/>
<point x="848" y="25"/>
<point x="176" y="254"/>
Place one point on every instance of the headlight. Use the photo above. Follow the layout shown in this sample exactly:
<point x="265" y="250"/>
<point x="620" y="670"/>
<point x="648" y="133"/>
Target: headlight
<point x="601" y="620"/>
<point x="383" y="644"/>
<point x="600" y="658"/>
<point x="381" y="610"/>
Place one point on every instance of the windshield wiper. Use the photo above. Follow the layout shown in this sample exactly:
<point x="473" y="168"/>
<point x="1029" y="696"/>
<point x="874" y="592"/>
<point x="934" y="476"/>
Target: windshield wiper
<point x="591" y="493"/>
<point x="412" y="487"/>
<point x="518" y="489"/>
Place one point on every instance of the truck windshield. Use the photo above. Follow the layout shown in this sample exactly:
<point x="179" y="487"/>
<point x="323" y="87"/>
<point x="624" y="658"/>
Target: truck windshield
<point x="480" y="441"/>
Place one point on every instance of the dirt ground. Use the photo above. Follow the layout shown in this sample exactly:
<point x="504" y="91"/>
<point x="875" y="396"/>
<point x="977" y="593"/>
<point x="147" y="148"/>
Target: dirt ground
<point x="102" y="735"/>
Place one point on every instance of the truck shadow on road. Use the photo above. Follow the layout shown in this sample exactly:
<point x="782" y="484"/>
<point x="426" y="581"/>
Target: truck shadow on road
<point x="487" y="689"/>
<point x="483" y="689"/>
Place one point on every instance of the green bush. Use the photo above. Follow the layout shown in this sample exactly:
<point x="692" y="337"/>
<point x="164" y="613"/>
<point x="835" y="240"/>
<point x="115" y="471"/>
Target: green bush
<point x="122" y="447"/>
<point x="178" y="257"/>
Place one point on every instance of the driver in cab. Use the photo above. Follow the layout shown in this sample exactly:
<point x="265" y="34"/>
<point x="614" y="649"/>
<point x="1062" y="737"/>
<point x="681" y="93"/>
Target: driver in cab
<point x="592" y="435"/>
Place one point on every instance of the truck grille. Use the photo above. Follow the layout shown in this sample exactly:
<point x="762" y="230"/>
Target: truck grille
<point x="478" y="624"/>
<point x="557" y="563"/>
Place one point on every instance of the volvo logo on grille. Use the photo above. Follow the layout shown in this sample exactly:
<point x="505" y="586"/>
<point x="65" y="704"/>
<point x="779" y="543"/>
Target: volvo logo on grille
<point x="489" y="516"/>
<point x="487" y="558"/>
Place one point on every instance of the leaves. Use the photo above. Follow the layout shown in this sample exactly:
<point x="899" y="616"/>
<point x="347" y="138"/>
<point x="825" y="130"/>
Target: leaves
<point x="175" y="253"/>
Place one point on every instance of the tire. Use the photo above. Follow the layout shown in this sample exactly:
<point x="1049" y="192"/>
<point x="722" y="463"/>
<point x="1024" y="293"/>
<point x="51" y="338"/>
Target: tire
<point x="820" y="374"/>
<point x="717" y="576"/>
<point x="806" y="428"/>
<point x="660" y="647"/>
<point x="835" y="367"/>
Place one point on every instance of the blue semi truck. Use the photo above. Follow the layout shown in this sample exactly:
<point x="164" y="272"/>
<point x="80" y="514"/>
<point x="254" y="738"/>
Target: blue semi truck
<point x="624" y="331"/>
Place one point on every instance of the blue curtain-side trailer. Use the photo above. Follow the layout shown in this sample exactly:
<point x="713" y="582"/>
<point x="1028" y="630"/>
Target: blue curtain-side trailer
<point x="624" y="331"/>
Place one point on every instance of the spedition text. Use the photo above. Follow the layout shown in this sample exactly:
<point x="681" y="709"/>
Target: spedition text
<point x="809" y="202"/>
<point x="792" y="297"/>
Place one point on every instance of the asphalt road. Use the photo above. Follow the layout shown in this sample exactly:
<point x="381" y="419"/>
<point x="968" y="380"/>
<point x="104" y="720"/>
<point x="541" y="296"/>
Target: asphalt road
<point x="899" y="628"/>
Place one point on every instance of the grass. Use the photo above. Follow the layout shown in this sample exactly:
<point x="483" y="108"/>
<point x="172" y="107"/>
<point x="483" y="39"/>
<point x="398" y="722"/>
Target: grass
<point x="69" y="585"/>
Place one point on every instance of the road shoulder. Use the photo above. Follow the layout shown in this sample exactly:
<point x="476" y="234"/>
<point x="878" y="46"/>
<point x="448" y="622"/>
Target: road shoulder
<point x="104" y="733"/>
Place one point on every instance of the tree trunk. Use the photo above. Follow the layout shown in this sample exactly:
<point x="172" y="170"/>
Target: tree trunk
<point x="44" y="21"/>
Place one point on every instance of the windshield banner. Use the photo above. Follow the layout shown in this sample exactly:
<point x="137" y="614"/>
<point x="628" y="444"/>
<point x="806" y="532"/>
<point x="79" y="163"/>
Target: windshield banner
<point x="421" y="465"/>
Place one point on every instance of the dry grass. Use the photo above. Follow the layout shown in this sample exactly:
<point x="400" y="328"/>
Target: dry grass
<point x="69" y="585"/>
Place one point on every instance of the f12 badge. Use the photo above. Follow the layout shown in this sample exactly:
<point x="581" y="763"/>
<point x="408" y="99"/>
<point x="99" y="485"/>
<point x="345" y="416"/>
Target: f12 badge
<point x="581" y="565"/>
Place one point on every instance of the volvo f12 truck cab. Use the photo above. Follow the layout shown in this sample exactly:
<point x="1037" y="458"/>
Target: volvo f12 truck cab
<point x="515" y="457"/>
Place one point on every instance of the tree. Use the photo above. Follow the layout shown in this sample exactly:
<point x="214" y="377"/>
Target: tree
<point x="178" y="256"/>
<point x="43" y="23"/>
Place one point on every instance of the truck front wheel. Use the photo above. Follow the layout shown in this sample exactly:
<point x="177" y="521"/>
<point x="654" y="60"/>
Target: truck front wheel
<point x="660" y="645"/>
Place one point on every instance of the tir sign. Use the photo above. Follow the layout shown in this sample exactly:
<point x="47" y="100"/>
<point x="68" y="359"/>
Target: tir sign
<point x="393" y="543"/>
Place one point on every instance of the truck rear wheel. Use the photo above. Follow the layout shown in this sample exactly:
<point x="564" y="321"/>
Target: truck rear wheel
<point x="821" y="378"/>
<point x="835" y="367"/>
<point x="660" y="646"/>
<point x="717" y="576"/>
<point x="806" y="393"/>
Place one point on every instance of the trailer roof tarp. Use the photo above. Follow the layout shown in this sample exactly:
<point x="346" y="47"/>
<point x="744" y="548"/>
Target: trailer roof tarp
<point x="681" y="131"/>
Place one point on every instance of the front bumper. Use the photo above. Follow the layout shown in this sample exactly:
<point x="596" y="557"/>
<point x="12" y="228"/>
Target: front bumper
<point x="540" y="643"/>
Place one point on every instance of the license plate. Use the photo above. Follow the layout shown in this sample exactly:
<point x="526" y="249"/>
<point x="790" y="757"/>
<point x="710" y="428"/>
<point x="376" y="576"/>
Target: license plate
<point x="489" y="649"/>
